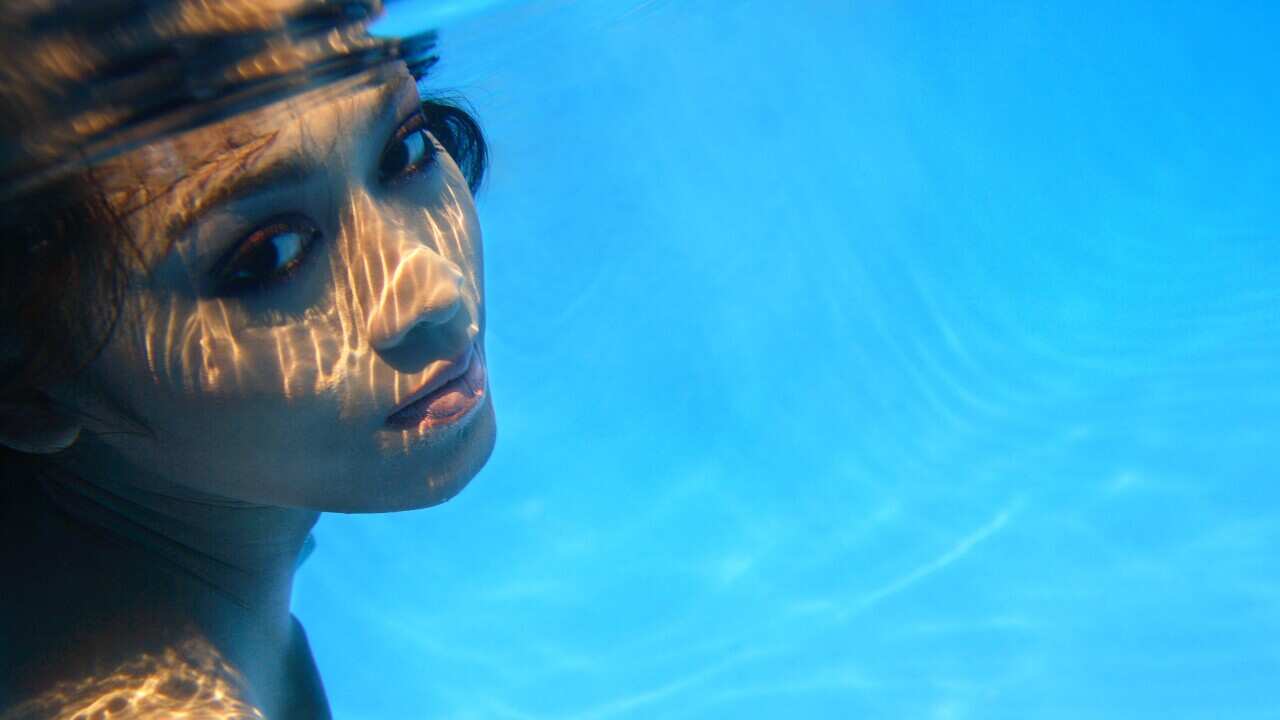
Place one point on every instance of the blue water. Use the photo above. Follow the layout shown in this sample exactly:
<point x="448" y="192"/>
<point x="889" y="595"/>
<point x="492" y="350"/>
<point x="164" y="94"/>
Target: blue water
<point x="874" y="359"/>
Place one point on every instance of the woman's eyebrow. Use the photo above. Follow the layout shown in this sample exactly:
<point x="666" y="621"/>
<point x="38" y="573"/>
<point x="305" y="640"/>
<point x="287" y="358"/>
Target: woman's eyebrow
<point x="289" y="169"/>
<point x="281" y="171"/>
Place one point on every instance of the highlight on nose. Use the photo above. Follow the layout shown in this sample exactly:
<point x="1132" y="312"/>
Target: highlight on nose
<point x="424" y="289"/>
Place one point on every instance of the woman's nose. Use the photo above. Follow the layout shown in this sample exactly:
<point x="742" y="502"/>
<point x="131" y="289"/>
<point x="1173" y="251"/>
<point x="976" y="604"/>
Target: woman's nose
<point x="424" y="289"/>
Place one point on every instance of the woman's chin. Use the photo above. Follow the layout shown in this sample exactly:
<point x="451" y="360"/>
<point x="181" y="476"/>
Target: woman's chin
<point x="421" y="477"/>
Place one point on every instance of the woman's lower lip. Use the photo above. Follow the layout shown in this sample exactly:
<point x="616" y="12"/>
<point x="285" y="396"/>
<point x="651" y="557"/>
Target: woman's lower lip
<point x="448" y="404"/>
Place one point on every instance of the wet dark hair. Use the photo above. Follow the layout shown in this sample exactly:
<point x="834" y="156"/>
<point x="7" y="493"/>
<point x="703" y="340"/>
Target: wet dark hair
<point x="65" y="249"/>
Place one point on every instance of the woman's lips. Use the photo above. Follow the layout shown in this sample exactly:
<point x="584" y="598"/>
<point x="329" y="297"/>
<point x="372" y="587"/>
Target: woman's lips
<point x="448" y="403"/>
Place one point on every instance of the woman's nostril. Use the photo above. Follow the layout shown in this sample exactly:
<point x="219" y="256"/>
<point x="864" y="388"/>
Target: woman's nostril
<point x="425" y="290"/>
<point x="422" y="344"/>
<point x="389" y="329"/>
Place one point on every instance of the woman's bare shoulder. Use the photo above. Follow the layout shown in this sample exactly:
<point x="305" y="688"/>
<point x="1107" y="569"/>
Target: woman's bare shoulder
<point x="188" y="679"/>
<point x="83" y="638"/>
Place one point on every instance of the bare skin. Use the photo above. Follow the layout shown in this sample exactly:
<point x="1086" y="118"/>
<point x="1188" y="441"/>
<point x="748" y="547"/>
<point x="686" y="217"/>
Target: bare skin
<point x="269" y="336"/>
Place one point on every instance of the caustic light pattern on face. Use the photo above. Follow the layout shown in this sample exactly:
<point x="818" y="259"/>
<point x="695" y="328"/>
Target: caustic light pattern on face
<point x="387" y="282"/>
<point x="374" y="326"/>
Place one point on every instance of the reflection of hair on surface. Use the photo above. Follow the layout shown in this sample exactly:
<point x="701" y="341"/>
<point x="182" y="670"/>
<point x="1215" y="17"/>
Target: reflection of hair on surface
<point x="189" y="681"/>
<point x="152" y="69"/>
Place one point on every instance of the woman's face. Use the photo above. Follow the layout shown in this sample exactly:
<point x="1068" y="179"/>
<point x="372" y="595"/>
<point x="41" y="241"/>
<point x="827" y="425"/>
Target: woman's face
<point x="309" y="328"/>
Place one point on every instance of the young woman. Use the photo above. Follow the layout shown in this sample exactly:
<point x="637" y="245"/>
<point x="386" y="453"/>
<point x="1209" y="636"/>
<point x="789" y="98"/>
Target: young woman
<point x="211" y="333"/>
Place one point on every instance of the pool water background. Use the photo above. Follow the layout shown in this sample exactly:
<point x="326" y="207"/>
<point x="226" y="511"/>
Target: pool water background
<point x="903" y="360"/>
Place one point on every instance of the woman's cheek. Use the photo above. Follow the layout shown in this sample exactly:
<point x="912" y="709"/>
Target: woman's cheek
<point x="313" y="355"/>
<point x="202" y="347"/>
<point x="320" y="355"/>
<point x="185" y="348"/>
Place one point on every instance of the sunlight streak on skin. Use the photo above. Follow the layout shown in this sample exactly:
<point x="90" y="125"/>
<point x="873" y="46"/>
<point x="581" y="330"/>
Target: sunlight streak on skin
<point x="236" y="362"/>
<point x="149" y="345"/>
<point x="456" y="220"/>
<point x="281" y="346"/>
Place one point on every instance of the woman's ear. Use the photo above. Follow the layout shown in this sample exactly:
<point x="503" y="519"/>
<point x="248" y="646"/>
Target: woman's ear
<point x="35" y="425"/>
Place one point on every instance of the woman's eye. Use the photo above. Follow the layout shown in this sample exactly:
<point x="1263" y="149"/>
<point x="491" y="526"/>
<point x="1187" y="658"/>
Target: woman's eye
<point x="267" y="256"/>
<point x="409" y="150"/>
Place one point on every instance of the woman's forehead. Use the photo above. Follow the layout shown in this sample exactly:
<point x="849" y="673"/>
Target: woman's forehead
<point x="170" y="176"/>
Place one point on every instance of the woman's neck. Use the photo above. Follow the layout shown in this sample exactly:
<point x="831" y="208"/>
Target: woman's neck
<point x="227" y="566"/>
<point x="244" y="553"/>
